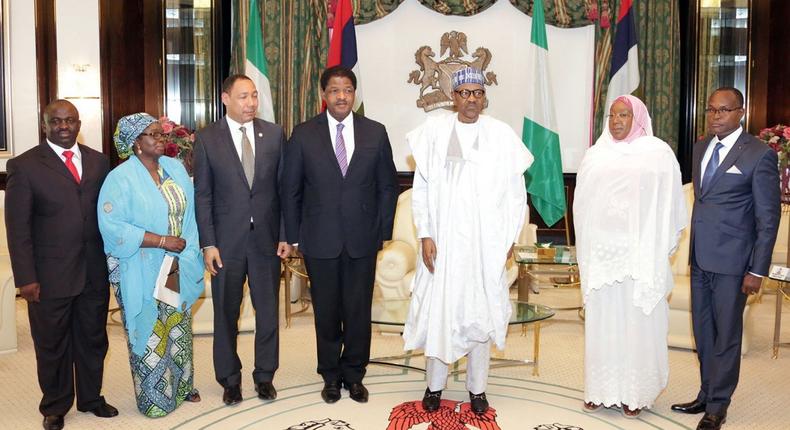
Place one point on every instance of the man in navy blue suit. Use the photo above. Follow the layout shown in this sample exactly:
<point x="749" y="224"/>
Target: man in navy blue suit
<point x="733" y="230"/>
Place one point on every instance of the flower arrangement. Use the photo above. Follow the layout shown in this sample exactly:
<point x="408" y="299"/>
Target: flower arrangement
<point x="778" y="138"/>
<point x="178" y="142"/>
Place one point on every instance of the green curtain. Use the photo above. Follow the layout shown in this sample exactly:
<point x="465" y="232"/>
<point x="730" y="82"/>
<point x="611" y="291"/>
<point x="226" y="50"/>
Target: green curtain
<point x="658" y="23"/>
<point x="659" y="65"/>
<point x="296" y="43"/>
<point x="366" y="11"/>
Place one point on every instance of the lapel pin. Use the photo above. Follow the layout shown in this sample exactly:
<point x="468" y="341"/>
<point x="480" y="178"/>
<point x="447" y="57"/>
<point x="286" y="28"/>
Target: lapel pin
<point x="260" y="134"/>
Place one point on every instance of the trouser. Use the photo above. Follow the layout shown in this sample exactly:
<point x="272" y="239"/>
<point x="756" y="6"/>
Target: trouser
<point x="477" y="363"/>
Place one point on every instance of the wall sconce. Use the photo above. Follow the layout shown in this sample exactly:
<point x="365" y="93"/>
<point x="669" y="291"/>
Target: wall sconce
<point x="80" y="83"/>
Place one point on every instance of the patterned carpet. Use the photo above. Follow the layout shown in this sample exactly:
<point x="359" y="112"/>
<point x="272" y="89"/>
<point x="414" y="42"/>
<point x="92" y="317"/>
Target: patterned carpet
<point x="550" y="401"/>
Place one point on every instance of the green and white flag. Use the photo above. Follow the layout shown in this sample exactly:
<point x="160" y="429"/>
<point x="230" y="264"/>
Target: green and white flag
<point x="255" y="65"/>
<point x="544" y="177"/>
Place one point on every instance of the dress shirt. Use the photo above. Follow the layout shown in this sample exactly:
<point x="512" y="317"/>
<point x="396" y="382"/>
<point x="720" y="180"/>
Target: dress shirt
<point x="235" y="134"/>
<point x="728" y="142"/>
<point x="76" y="158"/>
<point x="348" y="134"/>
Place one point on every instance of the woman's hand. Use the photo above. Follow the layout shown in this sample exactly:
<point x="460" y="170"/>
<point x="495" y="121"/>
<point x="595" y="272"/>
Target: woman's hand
<point x="174" y="244"/>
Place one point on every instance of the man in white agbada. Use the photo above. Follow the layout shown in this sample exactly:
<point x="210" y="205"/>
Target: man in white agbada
<point x="468" y="202"/>
<point x="628" y="211"/>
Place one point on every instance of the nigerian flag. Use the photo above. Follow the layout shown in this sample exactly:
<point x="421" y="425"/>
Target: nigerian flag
<point x="255" y="64"/>
<point x="544" y="177"/>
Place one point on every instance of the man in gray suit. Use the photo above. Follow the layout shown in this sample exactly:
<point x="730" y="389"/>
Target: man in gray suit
<point x="237" y="162"/>
<point x="733" y="230"/>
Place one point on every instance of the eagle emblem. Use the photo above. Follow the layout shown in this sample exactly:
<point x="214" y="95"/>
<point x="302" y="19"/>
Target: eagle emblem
<point x="449" y="416"/>
<point x="435" y="77"/>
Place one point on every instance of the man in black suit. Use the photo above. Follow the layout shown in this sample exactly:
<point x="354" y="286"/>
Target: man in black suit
<point x="57" y="257"/>
<point x="339" y="191"/>
<point x="733" y="230"/>
<point x="237" y="166"/>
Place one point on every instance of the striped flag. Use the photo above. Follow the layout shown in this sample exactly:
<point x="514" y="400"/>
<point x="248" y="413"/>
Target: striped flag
<point x="624" y="73"/>
<point x="544" y="178"/>
<point x="343" y="46"/>
<point x="255" y="65"/>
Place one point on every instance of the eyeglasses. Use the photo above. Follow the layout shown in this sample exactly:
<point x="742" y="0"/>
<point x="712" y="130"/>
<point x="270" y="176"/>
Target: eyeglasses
<point x="56" y="122"/>
<point x="622" y="115"/>
<point x="466" y="93"/>
<point x="712" y="111"/>
<point x="156" y="135"/>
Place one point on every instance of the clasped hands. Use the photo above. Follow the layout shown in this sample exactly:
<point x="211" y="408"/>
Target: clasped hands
<point x="429" y="252"/>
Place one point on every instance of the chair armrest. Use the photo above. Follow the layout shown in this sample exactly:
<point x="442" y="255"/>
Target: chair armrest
<point x="394" y="261"/>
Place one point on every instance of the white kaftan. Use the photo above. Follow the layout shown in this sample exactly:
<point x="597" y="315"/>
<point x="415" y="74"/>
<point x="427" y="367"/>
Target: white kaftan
<point x="628" y="212"/>
<point x="472" y="203"/>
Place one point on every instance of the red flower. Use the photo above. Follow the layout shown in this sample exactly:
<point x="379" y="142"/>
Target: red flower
<point x="171" y="150"/>
<point x="786" y="133"/>
<point x="182" y="132"/>
<point x="167" y="126"/>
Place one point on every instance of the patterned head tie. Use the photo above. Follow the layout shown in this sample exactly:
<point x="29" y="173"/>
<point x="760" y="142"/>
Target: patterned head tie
<point x="467" y="75"/>
<point x="129" y="128"/>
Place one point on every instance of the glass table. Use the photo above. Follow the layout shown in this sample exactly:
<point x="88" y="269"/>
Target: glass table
<point x="779" y="274"/>
<point x="394" y="312"/>
<point x="558" y="260"/>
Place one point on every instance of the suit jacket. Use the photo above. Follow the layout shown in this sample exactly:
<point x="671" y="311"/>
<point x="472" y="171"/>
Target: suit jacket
<point x="736" y="216"/>
<point x="325" y="212"/>
<point x="224" y="202"/>
<point x="53" y="232"/>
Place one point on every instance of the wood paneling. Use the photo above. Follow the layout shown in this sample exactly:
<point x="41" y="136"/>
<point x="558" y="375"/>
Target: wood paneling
<point x="131" y="62"/>
<point x="769" y="88"/>
<point x="46" y="55"/>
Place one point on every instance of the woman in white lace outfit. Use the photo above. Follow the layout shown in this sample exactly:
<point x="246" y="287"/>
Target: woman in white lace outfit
<point x="628" y="213"/>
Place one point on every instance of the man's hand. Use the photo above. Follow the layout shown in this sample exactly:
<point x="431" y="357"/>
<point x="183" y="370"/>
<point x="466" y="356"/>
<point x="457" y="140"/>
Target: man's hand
<point x="210" y="257"/>
<point x="174" y="244"/>
<point x="30" y="292"/>
<point x="428" y="252"/>
<point x="284" y="250"/>
<point x="751" y="284"/>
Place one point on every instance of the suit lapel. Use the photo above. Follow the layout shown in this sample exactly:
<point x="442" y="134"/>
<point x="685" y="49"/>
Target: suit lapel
<point x="230" y="149"/>
<point x="53" y="161"/>
<point x="359" y="142"/>
<point x="735" y="152"/>
<point x="88" y="166"/>
<point x="698" y="153"/>
<point x="260" y="144"/>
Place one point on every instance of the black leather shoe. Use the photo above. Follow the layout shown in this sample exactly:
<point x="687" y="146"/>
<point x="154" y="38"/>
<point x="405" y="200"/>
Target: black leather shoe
<point x="53" y="422"/>
<point x="266" y="391"/>
<point x="232" y="395"/>
<point x="331" y="392"/>
<point x="104" y="410"/>
<point x="357" y="392"/>
<point x="479" y="403"/>
<point x="431" y="400"/>
<point x="695" y="407"/>
<point x="711" y="422"/>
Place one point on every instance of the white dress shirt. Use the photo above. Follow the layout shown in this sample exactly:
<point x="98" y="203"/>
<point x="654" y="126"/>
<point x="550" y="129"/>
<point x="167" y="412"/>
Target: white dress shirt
<point x="235" y="134"/>
<point x="76" y="158"/>
<point x="728" y="143"/>
<point x="348" y="134"/>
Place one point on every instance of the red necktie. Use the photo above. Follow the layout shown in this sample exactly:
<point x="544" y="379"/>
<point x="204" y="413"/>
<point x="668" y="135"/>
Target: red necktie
<point x="70" y="165"/>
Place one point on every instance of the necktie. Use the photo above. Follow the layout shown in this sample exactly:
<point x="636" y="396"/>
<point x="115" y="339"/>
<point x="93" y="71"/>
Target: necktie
<point x="340" y="150"/>
<point x="70" y="165"/>
<point x="247" y="156"/>
<point x="713" y="164"/>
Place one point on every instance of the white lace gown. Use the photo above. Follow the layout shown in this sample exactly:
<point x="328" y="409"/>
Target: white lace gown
<point x="629" y="212"/>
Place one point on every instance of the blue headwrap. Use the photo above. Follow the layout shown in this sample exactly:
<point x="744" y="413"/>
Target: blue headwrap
<point x="129" y="128"/>
<point x="468" y="75"/>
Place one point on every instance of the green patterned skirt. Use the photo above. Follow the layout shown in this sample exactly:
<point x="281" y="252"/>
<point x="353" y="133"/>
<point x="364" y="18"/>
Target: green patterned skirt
<point x="163" y="376"/>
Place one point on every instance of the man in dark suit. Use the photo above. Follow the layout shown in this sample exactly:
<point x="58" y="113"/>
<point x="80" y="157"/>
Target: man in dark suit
<point x="339" y="191"/>
<point x="733" y="230"/>
<point x="237" y="166"/>
<point x="57" y="257"/>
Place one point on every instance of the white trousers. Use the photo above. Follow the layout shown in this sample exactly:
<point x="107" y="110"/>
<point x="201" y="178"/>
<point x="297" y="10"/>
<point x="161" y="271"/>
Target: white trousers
<point x="477" y="362"/>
